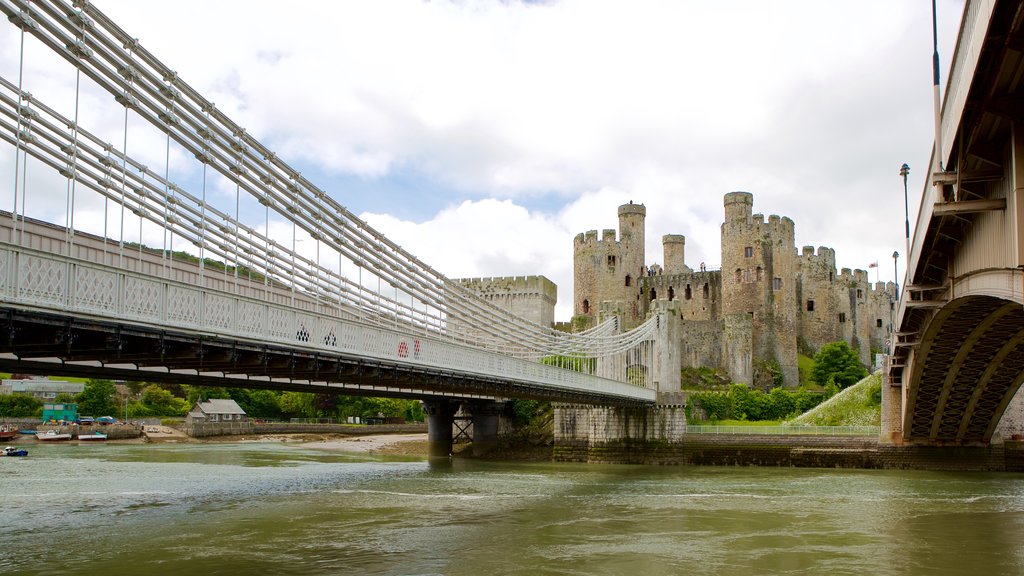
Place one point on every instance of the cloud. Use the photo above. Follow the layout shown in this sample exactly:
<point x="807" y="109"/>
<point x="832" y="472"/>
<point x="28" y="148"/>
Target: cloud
<point x="541" y="118"/>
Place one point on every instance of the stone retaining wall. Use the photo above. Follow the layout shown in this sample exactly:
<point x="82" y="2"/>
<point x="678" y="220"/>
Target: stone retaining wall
<point x="799" y="451"/>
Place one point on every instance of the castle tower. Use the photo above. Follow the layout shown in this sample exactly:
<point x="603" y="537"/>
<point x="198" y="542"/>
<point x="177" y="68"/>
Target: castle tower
<point x="759" y="270"/>
<point x="674" y="247"/>
<point x="606" y="270"/>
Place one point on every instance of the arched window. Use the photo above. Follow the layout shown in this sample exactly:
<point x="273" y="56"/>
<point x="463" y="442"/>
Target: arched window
<point x="654" y="294"/>
<point x="760" y="273"/>
<point x="687" y="293"/>
<point x="739" y="275"/>
<point x="671" y="293"/>
<point x="586" y="306"/>
<point x="629" y="280"/>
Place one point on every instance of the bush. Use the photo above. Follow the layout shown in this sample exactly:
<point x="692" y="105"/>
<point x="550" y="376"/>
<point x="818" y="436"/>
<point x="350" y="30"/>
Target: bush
<point x="20" y="406"/>
<point x="742" y="403"/>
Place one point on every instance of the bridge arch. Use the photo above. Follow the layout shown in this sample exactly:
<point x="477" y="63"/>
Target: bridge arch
<point x="969" y="366"/>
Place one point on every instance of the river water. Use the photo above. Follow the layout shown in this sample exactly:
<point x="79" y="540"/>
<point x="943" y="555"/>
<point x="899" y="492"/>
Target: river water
<point x="268" y="508"/>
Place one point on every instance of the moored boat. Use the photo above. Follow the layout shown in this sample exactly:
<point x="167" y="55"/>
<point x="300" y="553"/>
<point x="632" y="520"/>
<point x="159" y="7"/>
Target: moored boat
<point x="12" y="451"/>
<point x="52" y="436"/>
<point x="7" y="432"/>
<point x="94" y="437"/>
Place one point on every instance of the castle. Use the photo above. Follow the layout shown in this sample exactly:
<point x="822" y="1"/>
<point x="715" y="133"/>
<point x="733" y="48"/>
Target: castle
<point x="751" y="318"/>
<point x="767" y="302"/>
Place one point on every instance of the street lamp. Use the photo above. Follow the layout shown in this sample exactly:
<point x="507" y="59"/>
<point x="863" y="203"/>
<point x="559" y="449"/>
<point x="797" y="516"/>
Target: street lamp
<point x="904" y="171"/>
<point x="895" y="274"/>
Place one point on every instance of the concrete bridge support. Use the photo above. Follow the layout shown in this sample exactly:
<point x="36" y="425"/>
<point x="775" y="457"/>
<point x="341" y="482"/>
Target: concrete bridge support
<point x="440" y="419"/>
<point x="486" y="417"/>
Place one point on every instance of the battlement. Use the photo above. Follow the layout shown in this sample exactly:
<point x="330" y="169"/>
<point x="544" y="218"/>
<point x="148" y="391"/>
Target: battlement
<point x="632" y="209"/>
<point x="591" y="238"/>
<point x="521" y="285"/>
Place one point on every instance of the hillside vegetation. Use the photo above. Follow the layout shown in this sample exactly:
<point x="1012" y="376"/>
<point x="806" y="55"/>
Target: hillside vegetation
<point x="857" y="405"/>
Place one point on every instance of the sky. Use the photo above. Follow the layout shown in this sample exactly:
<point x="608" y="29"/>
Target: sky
<point x="482" y="136"/>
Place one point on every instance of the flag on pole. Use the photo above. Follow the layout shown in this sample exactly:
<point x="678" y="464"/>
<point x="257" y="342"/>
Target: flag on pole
<point x="873" y="264"/>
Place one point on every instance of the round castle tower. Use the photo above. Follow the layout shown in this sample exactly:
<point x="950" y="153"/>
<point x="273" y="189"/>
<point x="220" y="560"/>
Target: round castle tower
<point x="759" y="270"/>
<point x="674" y="249"/>
<point x="607" y="270"/>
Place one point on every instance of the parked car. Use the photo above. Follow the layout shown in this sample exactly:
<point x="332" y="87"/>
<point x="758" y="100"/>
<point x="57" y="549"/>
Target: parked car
<point x="85" y="420"/>
<point x="106" y="420"/>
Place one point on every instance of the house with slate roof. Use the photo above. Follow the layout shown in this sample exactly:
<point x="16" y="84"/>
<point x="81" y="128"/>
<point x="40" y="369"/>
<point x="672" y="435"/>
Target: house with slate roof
<point x="216" y="410"/>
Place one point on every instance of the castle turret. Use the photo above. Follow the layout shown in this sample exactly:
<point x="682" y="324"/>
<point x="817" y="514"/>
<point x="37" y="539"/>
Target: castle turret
<point x="674" y="246"/>
<point x="739" y="206"/>
<point x="607" y="270"/>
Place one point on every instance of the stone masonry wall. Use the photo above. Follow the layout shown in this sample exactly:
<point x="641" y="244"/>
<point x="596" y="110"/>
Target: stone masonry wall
<point x="530" y="297"/>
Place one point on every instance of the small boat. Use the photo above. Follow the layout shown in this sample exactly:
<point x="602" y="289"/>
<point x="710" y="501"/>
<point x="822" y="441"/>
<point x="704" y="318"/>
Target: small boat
<point x="12" y="451"/>
<point x="28" y="432"/>
<point x="95" y="437"/>
<point x="52" y="436"/>
<point x="7" y="433"/>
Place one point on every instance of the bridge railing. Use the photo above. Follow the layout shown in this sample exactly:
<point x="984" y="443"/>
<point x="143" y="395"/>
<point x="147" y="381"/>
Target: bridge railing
<point x="39" y="280"/>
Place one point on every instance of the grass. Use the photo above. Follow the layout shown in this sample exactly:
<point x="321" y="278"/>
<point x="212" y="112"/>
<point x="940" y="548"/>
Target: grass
<point x="805" y="364"/>
<point x="854" y="406"/>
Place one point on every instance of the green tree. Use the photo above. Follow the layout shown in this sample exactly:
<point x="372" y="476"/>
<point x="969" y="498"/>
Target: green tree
<point x="836" y="362"/>
<point x="97" y="399"/>
<point x="20" y="406"/>
<point x="297" y="405"/>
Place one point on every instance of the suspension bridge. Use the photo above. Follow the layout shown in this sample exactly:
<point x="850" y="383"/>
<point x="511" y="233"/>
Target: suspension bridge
<point x="145" y="273"/>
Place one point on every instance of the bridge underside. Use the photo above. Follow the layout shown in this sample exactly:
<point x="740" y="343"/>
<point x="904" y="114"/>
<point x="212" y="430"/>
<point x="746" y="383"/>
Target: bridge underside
<point x="969" y="367"/>
<point x="42" y="343"/>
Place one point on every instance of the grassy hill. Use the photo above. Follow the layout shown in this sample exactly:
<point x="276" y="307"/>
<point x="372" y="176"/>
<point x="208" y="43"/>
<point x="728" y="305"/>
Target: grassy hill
<point x="858" y="405"/>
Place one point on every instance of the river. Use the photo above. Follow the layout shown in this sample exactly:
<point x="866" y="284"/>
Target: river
<point x="270" y="508"/>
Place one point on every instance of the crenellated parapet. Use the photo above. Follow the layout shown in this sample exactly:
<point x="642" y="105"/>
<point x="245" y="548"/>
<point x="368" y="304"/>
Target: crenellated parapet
<point x="529" y="297"/>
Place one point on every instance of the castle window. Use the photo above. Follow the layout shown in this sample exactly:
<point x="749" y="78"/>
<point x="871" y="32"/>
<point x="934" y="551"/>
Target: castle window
<point x="810" y="305"/>
<point x="748" y="252"/>
<point x="586" y="306"/>
<point x="707" y="291"/>
<point x="687" y="293"/>
<point x="776" y="283"/>
<point x="842" y="317"/>
<point x="611" y="261"/>
<point x="654" y="294"/>
<point x="629" y="280"/>
<point x="860" y="293"/>
<point x="671" y="293"/>
<point x="746" y="276"/>
<point x="878" y="323"/>
<point x="739" y="275"/>
<point x="760" y="273"/>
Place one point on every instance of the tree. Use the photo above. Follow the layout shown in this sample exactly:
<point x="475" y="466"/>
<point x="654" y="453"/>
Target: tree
<point x="837" y="362"/>
<point x="20" y="406"/>
<point x="97" y="399"/>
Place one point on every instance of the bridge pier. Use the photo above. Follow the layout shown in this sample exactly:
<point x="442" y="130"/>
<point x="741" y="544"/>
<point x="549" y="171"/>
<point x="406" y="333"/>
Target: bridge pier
<point x="440" y="419"/>
<point x="486" y="416"/>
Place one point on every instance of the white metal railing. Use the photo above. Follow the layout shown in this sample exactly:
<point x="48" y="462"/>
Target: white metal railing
<point x="39" y="280"/>
<point x="786" y="430"/>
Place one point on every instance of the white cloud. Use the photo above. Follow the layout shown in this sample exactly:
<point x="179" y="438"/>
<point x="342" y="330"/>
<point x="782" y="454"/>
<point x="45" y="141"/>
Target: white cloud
<point x="810" y="105"/>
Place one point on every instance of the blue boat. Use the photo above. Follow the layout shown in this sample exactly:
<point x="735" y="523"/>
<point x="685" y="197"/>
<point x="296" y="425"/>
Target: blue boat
<point x="12" y="451"/>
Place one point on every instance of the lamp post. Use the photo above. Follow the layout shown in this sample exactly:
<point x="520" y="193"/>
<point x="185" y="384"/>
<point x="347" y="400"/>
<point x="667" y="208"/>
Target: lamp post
<point x="895" y="274"/>
<point x="904" y="171"/>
